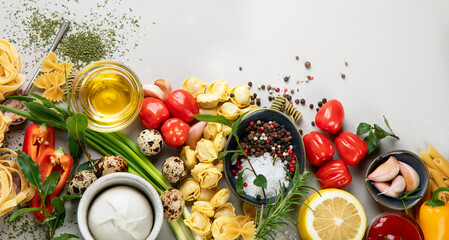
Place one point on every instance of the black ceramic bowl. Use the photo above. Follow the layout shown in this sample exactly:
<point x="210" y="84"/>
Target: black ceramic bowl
<point x="264" y="115"/>
<point x="409" y="158"/>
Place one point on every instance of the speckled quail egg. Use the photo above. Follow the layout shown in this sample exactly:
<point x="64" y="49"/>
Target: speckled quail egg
<point x="174" y="169"/>
<point x="110" y="164"/>
<point x="80" y="182"/>
<point x="173" y="204"/>
<point x="150" y="142"/>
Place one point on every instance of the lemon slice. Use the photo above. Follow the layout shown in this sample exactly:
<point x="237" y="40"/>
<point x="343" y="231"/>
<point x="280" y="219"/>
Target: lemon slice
<point x="337" y="215"/>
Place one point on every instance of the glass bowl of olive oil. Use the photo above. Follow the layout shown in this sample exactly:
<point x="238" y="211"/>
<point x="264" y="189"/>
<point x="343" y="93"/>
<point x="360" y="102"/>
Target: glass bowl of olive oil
<point x="108" y="93"/>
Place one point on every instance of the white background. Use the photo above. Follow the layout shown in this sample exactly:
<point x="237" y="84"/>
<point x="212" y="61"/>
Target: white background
<point x="397" y="51"/>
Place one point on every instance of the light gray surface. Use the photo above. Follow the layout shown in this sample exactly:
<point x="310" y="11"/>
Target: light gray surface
<point x="397" y="52"/>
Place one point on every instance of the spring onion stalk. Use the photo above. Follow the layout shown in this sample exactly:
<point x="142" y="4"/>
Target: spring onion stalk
<point x="110" y="143"/>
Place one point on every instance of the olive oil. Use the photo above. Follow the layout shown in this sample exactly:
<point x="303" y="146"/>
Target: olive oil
<point x="109" y="94"/>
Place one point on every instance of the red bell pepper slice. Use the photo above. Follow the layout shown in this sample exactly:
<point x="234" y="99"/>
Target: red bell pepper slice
<point x="319" y="149"/>
<point x="351" y="147"/>
<point x="335" y="174"/>
<point x="38" y="138"/>
<point x="50" y="161"/>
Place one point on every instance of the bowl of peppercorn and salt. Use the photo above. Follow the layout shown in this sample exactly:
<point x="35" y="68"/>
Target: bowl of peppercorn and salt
<point x="273" y="148"/>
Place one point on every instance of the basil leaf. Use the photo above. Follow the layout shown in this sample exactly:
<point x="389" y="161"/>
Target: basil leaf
<point x="21" y="211"/>
<point x="74" y="147"/>
<point x="48" y="219"/>
<point x="58" y="205"/>
<point x="77" y="125"/>
<point x="363" y="128"/>
<point x="213" y="118"/>
<point x="379" y="132"/>
<point x="30" y="170"/>
<point x="46" y="114"/>
<point x="235" y="125"/>
<point x="65" y="236"/>
<point x="68" y="198"/>
<point x="388" y="124"/>
<point x="260" y="181"/>
<point x="50" y="183"/>
<point x="86" y="166"/>
<point x="371" y="141"/>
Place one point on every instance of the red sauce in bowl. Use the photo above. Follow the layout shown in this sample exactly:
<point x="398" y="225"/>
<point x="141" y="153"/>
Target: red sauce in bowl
<point x="394" y="226"/>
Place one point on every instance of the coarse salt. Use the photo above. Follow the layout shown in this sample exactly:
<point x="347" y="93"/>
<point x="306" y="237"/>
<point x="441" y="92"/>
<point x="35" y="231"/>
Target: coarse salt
<point x="275" y="175"/>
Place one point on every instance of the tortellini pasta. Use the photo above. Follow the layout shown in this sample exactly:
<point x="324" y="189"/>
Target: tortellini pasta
<point x="203" y="207"/>
<point x="212" y="111"/>
<point x="190" y="189"/>
<point x="250" y="108"/>
<point x="219" y="88"/>
<point x="211" y="130"/>
<point x="225" y="210"/>
<point x="241" y="96"/>
<point x="220" y="142"/>
<point x="51" y="83"/>
<point x="207" y="100"/>
<point x="194" y="86"/>
<point x="189" y="157"/>
<point x="205" y="151"/>
<point x="199" y="223"/>
<point x="220" y="198"/>
<point x="226" y="130"/>
<point x="229" y="110"/>
<point x="209" y="178"/>
<point x="225" y="228"/>
<point x="219" y="166"/>
<point x="11" y="76"/>
<point x="206" y="194"/>
<point x="199" y="168"/>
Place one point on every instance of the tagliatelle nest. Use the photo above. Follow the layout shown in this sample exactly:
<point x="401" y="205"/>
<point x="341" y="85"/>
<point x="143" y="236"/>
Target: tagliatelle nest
<point x="51" y="83"/>
<point x="10" y="69"/>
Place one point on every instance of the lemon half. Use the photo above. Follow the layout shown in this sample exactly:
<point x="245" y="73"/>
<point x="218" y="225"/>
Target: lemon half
<point x="336" y="214"/>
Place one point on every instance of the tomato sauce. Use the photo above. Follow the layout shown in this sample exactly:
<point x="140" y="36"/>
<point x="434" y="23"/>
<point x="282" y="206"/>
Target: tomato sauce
<point x="394" y="226"/>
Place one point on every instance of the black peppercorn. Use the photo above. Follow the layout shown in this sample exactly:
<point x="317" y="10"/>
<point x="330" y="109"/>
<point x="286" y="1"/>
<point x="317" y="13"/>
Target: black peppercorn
<point x="297" y="101"/>
<point x="231" y="95"/>
<point x="324" y="100"/>
<point x="303" y="101"/>
<point x="313" y="123"/>
<point x="250" y="84"/>
<point x="311" y="106"/>
<point x="263" y="87"/>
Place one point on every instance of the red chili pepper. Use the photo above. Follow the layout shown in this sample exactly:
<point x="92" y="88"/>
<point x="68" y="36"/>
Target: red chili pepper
<point x="50" y="161"/>
<point x="330" y="117"/>
<point x="335" y="174"/>
<point x="352" y="148"/>
<point x="175" y="131"/>
<point x="182" y="105"/>
<point x="153" y="113"/>
<point x="37" y="138"/>
<point x="319" y="149"/>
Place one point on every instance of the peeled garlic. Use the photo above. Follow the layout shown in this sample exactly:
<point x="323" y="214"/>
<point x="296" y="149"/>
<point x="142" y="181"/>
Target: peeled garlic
<point x="164" y="85"/>
<point x="386" y="171"/>
<point x="152" y="90"/>
<point x="394" y="190"/>
<point x="410" y="175"/>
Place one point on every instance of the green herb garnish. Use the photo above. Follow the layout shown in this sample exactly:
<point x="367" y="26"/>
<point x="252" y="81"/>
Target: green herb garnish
<point x="375" y="134"/>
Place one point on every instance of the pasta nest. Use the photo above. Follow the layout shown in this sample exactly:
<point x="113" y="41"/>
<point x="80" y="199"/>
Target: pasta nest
<point x="10" y="69"/>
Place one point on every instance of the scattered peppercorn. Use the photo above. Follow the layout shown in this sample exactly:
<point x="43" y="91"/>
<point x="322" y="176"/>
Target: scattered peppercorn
<point x="263" y="87"/>
<point x="286" y="78"/>
<point x="313" y="123"/>
<point x="307" y="64"/>
<point x="343" y="75"/>
<point x="250" y="84"/>
<point x="292" y="91"/>
<point x="311" y="106"/>
<point x="320" y="104"/>
<point x="317" y="109"/>
<point x="303" y="101"/>
<point x="297" y="101"/>
<point x="324" y="100"/>
<point x="240" y="68"/>
<point x="297" y="58"/>
<point x="300" y="131"/>
<point x="346" y="64"/>
<point x="231" y="95"/>
<point x="269" y="87"/>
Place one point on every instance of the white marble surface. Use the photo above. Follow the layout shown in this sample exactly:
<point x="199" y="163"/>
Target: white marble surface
<point x="397" y="51"/>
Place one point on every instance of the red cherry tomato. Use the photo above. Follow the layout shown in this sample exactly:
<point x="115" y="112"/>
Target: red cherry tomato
<point x="319" y="149"/>
<point x="351" y="148"/>
<point x="153" y="113"/>
<point x="175" y="131"/>
<point x="182" y="105"/>
<point x="335" y="174"/>
<point x="330" y="117"/>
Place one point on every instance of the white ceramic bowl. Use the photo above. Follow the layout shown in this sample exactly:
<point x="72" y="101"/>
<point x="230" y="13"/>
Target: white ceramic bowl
<point x="120" y="179"/>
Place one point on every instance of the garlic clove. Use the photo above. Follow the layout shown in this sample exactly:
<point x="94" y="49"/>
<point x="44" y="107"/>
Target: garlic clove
<point x="195" y="134"/>
<point x="386" y="171"/>
<point x="164" y="85"/>
<point x="152" y="90"/>
<point x="410" y="175"/>
<point x="394" y="190"/>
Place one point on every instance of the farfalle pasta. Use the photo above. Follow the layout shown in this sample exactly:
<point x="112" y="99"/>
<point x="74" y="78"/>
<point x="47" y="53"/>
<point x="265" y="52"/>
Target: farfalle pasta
<point x="209" y="178"/>
<point x="249" y="211"/>
<point x="194" y="86"/>
<point x="220" y="198"/>
<point x="11" y="76"/>
<point x="51" y="83"/>
<point x="219" y="88"/>
<point x="199" y="223"/>
<point x="190" y="189"/>
<point x="248" y="231"/>
<point x="225" y="210"/>
<point x="203" y="207"/>
<point x="225" y="228"/>
<point x="205" y="151"/>
<point x="50" y="64"/>
<point x="189" y="157"/>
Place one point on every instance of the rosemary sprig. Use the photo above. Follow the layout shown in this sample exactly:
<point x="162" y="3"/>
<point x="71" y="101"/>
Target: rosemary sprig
<point x="269" y="222"/>
<point x="407" y="196"/>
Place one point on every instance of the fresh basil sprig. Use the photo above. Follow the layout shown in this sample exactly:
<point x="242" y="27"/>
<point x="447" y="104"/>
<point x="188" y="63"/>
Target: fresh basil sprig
<point x="375" y="134"/>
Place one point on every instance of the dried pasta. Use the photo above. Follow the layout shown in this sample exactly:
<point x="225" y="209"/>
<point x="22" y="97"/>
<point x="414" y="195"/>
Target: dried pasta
<point x="51" y="83"/>
<point x="226" y="210"/>
<point x="203" y="207"/>
<point x="199" y="223"/>
<point x="438" y="177"/>
<point x="190" y="189"/>
<point x="442" y="165"/>
<point x="428" y="160"/>
<point x="10" y="69"/>
<point x="209" y="178"/>
<point x="5" y="122"/>
<point x="50" y="64"/>
<point x="434" y="154"/>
